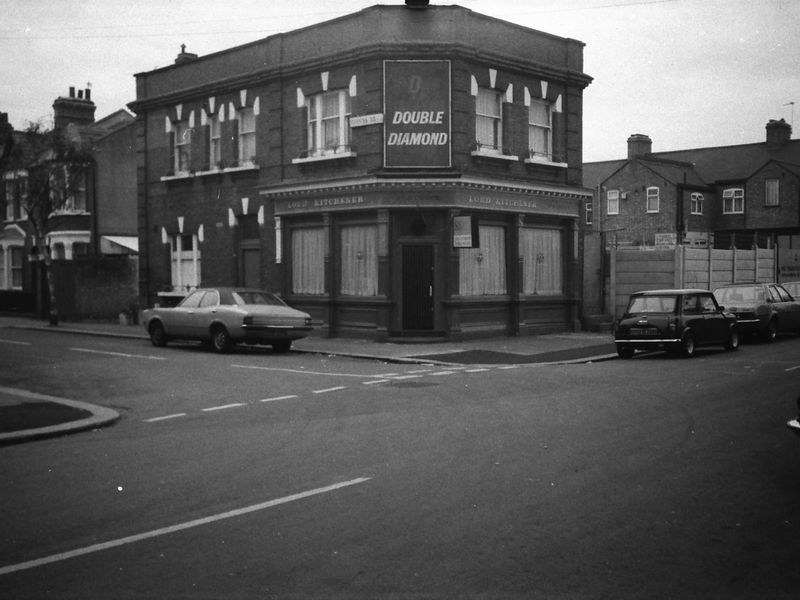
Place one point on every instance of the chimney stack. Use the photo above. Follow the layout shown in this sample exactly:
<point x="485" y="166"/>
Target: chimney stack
<point x="639" y="145"/>
<point x="778" y="133"/>
<point x="77" y="108"/>
<point x="184" y="56"/>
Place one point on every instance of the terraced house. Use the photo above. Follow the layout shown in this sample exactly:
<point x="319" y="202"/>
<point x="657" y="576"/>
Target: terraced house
<point x="396" y="173"/>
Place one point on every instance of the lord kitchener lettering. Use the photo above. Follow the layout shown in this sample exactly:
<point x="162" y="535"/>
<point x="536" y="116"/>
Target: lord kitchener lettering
<point x="418" y="138"/>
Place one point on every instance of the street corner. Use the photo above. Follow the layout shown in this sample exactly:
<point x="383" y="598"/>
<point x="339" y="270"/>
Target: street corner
<point x="26" y="416"/>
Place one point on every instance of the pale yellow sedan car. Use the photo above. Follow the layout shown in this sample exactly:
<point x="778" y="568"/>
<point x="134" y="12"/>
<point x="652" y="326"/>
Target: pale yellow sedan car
<point x="225" y="316"/>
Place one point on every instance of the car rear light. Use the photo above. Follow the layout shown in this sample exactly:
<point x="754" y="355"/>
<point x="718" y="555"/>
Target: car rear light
<point x="308" y="320"/>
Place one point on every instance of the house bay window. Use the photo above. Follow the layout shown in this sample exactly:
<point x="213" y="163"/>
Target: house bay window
<point x="359" y="260"/>
<point x="308" y="260"/>
<point x="328" y="123"/>
<point x="489" y="120"/>
<point x="540" y="129"/>
<point x="246" y="121"/>
<point x="482" y="271"/>
<point x="185" y="261"/>
<point x="11" y="258"/>
<point x="733" y="201"/>
<point x="542" y="260"/>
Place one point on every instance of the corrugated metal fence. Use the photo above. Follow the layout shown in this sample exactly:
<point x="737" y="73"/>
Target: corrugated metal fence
<point x="706" y="268"/>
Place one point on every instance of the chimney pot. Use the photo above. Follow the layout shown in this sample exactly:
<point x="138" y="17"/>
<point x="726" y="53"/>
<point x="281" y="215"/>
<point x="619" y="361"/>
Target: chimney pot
<point x="72" y="91"/>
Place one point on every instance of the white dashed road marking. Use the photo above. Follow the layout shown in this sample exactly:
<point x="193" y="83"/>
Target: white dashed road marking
<point x="276" y="398"/>
<point x="15" y="342"/>
<point x="165" y="417"/>
<point x="179" y="527"/>
<point x="122" y="354"/>
<point x="224" y="406"/>
<point x="325" y="391"/>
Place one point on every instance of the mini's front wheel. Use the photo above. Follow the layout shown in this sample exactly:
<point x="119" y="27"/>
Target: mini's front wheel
<point x="688" y="345"/>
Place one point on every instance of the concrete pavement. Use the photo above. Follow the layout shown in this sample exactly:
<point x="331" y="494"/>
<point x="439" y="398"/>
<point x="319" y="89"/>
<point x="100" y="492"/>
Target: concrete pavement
<point x="569" y="347"/>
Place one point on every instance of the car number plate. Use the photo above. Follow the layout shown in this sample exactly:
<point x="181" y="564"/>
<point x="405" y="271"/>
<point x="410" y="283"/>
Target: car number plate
<point x="644" y="331"/>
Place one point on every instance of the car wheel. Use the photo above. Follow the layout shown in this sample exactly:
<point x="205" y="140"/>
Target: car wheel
<point x="220" y="339"/>
<point x="158" y="337"/>
<point x="771" y="332"/>
<point x="282" y="346"/>
<point x="625" y="351"/>
<point x="733" y="340"/>
<point x="688" y="345"/>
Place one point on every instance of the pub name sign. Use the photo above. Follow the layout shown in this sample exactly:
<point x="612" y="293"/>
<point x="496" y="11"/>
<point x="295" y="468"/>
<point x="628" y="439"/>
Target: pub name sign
<point x="416" y="125"/>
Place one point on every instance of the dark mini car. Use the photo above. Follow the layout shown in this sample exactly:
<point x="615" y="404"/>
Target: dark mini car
<point x="763" y="309"/>
<point x="225" y="316"/>
<point x="677" y="320"/>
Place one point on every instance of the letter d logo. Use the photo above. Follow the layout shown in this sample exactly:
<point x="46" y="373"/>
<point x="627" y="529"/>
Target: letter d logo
<point x="414" y="84"/>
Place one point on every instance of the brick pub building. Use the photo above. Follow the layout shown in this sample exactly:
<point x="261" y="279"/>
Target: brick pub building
<point x="397" y="173"/>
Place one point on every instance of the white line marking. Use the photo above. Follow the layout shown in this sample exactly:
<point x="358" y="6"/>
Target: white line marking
<point x="304" y="372"/>
<point x="507" y="367"/>
<point x="475" y="370"/>
<point x="406" y="377"/>
<point x="165" y="417"/>
<point x="174" y="528"/>
<point x="276" y="398"/>
<point x="374" y="381"/>
<point x="437" y="373"/>
<point x="15" y="342"/>
<point x="122" y="354"/>
<point x="792" y="368"/>
<point x="333" y="389"/>
<point x="224" y="406"/>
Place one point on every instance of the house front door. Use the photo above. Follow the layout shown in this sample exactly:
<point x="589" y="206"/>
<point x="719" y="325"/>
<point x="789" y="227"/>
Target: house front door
<point x="418" y="304"/>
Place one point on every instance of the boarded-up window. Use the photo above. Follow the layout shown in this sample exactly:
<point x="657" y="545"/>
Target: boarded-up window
<point x="482" y="271"/>
<point x="359" y="261"/>
<point x="308" y="260"/>
<point x="542" y="261"/>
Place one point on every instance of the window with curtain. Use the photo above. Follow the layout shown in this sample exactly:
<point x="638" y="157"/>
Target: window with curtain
<point x="697" y="203"/>
<point x="612" y="197"/>
<point x="772" y="192"/>
<point x="733" y="201"/>
<point x="185" y="261"/>
<point x="214" y="141"/>
<point x="247" y="135"/>
<point x="15" y="265"/>
<point x="482" y="271"/>
<point x="542" y="260"/>
<point x="182" y="147"/>
<point x="653" y="199"/>
<point x="489" y="120"/>
<point x="308" y="260"/>
<point x="540" y="125"/>
<point x="359" y="246"/>
<point x="328" y="123"/>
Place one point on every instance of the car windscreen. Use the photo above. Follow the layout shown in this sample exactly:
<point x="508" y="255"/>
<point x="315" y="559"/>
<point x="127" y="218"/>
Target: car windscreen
<point x="740" y="294"/>
<point x="652" y="304"/>
<point x="255" y="297"/>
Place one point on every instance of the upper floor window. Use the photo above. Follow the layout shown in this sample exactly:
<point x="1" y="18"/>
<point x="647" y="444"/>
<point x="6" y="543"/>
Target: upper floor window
<point x="76" y="198"/>
<point x="181" y="147"/>
<point x="612" y="197"/>
<point x="772" y="192"/>
<point x="489" y="120"/>
<point x="653" y="199"/>
<point x="328" y="123"/>
<point x="214" y="141"/>
<point x="697" y="203"/>
<point x="733" y="201"/>
<point x="540" y="128"/>
<point x="16" y="188"/>
<point x="246" y="119"/>
<point x="589" y="210"/>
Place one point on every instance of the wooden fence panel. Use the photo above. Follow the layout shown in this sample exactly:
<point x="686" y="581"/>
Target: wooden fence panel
<point x="706" y="268"/>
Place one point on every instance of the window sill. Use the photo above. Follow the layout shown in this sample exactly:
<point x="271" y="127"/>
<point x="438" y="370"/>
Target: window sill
<point x="323" y="157"/>
<point x="495" y="155"/>
<point x="185" y="175"/>
<point x="239" y="169"/>
<point x="546" y="163"/>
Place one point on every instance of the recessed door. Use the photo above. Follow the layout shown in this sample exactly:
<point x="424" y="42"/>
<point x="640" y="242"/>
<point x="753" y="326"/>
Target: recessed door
<point x="251" y="267"/>
<point x="418" y="290"/>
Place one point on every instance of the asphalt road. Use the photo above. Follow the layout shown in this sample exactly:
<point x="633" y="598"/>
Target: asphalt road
<point x="255" y="475"/>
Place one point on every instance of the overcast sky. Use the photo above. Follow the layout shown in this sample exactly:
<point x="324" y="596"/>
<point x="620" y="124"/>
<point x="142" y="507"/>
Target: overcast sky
<point x="688" y="73"/>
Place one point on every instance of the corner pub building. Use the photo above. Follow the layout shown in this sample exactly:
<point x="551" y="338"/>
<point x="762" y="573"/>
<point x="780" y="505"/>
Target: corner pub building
<point x="398" y="173"/>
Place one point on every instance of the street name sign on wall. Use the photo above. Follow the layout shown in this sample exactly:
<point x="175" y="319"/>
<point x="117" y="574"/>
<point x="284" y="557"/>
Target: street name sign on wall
<point x="416" y="125"/>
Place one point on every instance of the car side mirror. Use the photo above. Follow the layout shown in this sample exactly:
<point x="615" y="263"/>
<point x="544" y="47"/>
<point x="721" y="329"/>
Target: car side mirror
<point x="721" y="309"/>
